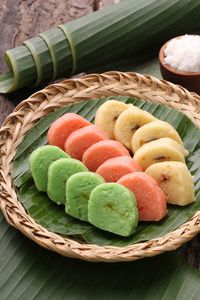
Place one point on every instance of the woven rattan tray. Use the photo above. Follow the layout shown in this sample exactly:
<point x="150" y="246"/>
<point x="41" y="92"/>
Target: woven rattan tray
<point x="58" y="95"/>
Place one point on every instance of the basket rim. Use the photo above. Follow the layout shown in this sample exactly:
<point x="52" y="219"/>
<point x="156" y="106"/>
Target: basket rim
<point x="69" y="91"/>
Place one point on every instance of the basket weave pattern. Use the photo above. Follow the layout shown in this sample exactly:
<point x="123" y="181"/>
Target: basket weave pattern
<point x="58" y="95"/>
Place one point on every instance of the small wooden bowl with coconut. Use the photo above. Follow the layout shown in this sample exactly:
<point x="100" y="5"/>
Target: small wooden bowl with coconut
<point x="180" y="61"/>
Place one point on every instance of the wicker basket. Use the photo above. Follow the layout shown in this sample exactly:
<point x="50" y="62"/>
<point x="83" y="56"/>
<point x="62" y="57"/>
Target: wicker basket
<point x="69" y="91"/>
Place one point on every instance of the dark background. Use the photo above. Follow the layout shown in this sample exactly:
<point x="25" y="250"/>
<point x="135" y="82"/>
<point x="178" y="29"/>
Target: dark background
<point x="20" y="20"/>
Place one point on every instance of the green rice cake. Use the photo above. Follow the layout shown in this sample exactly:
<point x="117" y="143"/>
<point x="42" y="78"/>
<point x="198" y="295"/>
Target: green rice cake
<point x="58" y="174"/>
<point x="112" y="207"/>
<point x="39" y="162"/>
<point x="78" y="189"/>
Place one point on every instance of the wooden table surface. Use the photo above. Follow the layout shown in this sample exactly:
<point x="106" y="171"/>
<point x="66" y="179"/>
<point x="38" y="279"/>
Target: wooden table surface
<point x="20" y="20"/>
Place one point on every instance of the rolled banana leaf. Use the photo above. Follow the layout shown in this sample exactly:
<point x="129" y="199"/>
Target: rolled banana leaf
<point x="118" y="31"/>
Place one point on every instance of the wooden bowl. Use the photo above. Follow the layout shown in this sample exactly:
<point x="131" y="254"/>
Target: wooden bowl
<point x="189" y="80"/>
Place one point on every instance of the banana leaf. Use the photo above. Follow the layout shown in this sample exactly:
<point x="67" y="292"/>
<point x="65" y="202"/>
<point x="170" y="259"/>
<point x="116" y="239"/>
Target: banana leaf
<point x="29" y="272"/>
<point x="53" y="217"/>
<point x="116" y="32"/>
